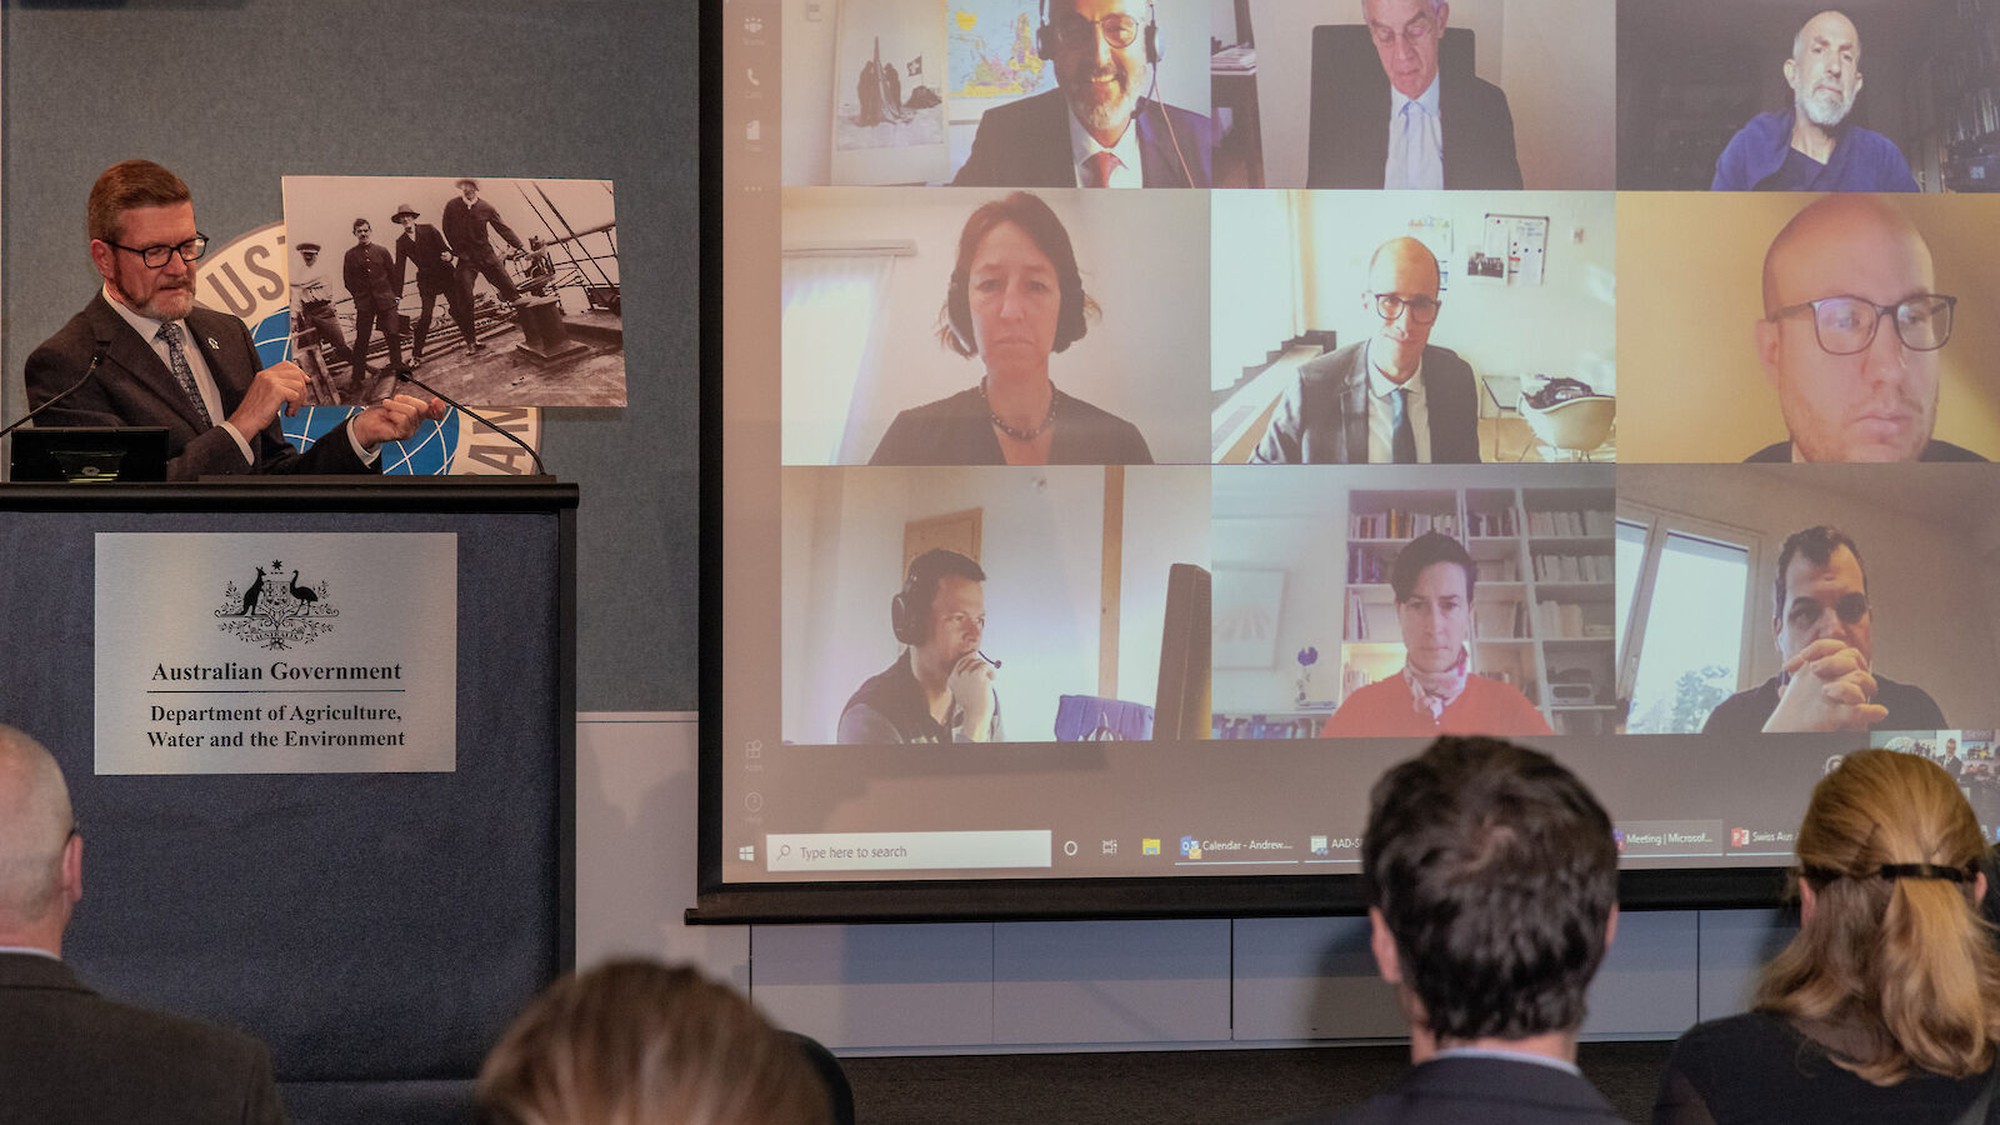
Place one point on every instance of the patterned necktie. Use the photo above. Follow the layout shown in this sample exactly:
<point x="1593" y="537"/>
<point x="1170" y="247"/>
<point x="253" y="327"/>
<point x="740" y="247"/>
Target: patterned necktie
<point x="1404" y="444"/>
<point x="1097" y="169"/>
<point x="183" y="374"/>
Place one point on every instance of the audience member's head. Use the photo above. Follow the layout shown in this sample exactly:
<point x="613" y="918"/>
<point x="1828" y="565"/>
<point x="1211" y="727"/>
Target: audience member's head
<point x="1492" y="879"/>
<point x="1851" y="331"/>
<point x="637" y="1043"/>
<point x="41" y="855"/>
<point x="1891" y="945"/>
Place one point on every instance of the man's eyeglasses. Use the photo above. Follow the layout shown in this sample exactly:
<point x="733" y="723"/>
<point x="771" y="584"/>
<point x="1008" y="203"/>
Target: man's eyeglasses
<point x="156" y="257"/>
<point x="1846" y="325"/>
<point x="1413" y="33"/>
<point x="1806" y="613"/>
<point x="1423" y="310"/>
<point x="1120" y="29"/>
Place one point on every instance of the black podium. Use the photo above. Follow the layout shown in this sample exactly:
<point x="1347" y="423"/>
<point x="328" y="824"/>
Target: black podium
<point x="377" y="930"/>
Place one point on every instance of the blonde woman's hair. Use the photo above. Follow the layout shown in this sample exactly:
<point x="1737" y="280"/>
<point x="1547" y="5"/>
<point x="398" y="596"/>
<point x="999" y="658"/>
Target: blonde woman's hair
<point x="1895" y="948"/>
<point x="638" y="1043"/>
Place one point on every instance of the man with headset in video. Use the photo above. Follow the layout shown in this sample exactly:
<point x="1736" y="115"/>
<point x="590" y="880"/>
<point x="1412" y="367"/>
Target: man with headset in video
<point x="1825" y="629"/>
<point x="941" y="688"/>
<point x="1101" y="128"/>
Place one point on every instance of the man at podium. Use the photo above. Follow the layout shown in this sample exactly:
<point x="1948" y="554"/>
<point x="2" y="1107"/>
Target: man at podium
<point x="142" y="354"/>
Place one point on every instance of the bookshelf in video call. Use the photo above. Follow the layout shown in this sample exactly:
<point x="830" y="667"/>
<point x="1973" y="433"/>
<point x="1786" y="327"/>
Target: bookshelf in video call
<point x="1543" y="608"/>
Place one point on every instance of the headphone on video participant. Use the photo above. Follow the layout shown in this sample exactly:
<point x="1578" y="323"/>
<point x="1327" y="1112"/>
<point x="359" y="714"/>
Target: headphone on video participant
<point x="1045" y="47"/>
<point x="1045" y="35"/>
<point x="910" y="610"/>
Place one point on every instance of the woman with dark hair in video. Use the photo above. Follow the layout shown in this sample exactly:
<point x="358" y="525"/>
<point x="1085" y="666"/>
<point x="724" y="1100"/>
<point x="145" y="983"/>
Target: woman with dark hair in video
<point x="1015" y="297"/>
<point x="1886" y="1005"/>
<point x="1435" y="693"/>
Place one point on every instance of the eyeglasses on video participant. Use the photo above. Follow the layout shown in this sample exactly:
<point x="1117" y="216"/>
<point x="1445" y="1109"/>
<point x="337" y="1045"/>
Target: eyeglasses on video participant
<point x="1850" y="337"/>
<point x="1103" y="127"/>
<point x="1391" y="398"/>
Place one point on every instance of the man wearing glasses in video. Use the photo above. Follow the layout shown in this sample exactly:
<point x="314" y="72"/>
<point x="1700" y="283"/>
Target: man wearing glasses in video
<point x="1850" y="389"/>
<point x="1825" y="636"/>
<point x="1104" y="127"/>
<point x="142" y="354"/>
<point x="941" y="688"/>
<point x="1392" y="398"/>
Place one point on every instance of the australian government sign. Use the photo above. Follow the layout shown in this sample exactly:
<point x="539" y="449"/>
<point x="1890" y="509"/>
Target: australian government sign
<point x="277" y="653"/>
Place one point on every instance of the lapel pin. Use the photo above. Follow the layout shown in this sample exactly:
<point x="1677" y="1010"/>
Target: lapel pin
<point x="213" y="346"/>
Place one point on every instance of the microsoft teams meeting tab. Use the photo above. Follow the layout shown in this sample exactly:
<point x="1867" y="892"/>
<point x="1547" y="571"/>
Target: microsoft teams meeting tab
<point x="908" y="851"/>
<point x="1669" y="839"/>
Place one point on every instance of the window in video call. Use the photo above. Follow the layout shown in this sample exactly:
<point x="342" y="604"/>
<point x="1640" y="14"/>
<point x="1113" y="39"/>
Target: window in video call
<point x="1141" y="424"/>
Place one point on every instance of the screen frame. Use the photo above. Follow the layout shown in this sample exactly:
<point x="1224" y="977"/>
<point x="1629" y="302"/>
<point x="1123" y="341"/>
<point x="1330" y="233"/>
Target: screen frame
<point x="970" y="900"/>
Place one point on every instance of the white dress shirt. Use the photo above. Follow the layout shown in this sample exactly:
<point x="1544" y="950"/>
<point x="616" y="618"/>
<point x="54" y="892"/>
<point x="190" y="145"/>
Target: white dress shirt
<point x="211" y="397"/>
<point x="1082" y="146"/>
<point x="1382" y="414"/>
<point x="1416" y="141"/>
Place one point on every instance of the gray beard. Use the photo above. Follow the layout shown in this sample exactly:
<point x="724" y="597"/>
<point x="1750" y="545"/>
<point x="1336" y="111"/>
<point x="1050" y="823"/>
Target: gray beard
<point x="1115" y="115"/>
<point x="1818" y="110"/>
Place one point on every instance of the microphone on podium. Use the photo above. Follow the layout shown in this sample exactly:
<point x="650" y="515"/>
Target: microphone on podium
<point x="96" y="358"/>
<point x="408" y="375"/>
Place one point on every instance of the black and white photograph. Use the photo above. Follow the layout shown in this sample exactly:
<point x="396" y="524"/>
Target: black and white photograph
<point x="494" y="291"/>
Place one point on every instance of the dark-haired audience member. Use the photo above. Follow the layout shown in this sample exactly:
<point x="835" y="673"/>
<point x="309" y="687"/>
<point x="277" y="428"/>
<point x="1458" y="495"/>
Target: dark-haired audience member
<point x="1100" y="129"/>
<point x="66" y="1053"/>
<point x="1391" y="397"/>
<point x="1852" y="387"/>
<point x="1813" y="146"/>
<point x="1824" y="626"/>
<point x="1492" y="882"/>
<point x="941" y="688"/>
<point x="1436" y="692"/>
<point x="1886" y="1005"/>
<point x="1015" y="297"/>
<point x="638" y="1043"/>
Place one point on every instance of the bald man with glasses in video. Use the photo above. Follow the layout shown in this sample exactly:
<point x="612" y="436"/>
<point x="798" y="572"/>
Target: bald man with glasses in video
<point x="142" y="353"/>
<point x="1853" y="388"/>
<point x="1824" y="627"/>
<point x="1392" y="398"/>
<point x="1103" y="126"/>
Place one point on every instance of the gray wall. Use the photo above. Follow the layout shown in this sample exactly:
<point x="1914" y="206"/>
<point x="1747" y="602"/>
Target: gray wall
<point x="233" y="96"/>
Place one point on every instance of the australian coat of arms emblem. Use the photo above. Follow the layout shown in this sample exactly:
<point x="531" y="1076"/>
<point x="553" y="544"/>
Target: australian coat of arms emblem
<point x="276" y="612"/>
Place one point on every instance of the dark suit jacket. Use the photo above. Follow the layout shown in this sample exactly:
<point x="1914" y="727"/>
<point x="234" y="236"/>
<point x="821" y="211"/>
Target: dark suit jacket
<point x="428" y="250"/>
<point x="133" y="387"/>
<point x="1489" y="1091"/>
<point x="1478" y="136"/>
<point x="1323" y="418"/>
<point x="1933" y="451"/>
<point x="368" y="272"/>
<point x="1026" y="144"/>
<point x="465" y="228"/>
<point x="68" y="1055"/>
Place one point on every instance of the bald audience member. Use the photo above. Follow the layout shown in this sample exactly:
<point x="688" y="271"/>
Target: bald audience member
<point x="66" y="1053"/>
<point x="1812" y="146"/>
<point x="1391" y="398"/>
<point x="1853" y="388"/>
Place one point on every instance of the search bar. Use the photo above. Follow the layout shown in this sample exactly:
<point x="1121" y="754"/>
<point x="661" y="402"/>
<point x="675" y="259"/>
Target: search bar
<point x="907" y="851"/>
